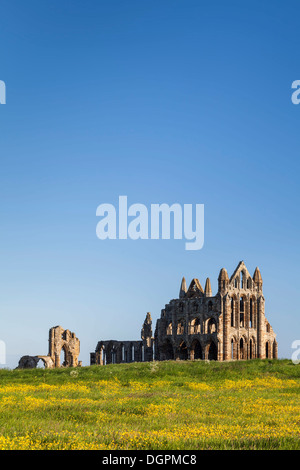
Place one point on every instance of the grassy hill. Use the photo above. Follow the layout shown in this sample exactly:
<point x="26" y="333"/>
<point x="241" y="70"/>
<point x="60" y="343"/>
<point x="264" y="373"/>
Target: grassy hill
<point x="167" y="405"/>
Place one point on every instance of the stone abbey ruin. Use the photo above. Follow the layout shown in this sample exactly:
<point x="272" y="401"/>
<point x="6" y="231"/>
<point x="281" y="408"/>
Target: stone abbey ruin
<point x="60" y="341"/>
<point x="230" y="325"/>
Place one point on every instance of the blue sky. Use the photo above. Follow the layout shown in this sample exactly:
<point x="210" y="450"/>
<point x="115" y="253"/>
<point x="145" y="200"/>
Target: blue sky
<point x="163" y="101"/>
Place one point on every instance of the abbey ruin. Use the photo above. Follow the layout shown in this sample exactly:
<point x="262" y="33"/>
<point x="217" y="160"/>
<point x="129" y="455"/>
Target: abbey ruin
<point x="61" y="343"/>
<point x="230" y="325"/>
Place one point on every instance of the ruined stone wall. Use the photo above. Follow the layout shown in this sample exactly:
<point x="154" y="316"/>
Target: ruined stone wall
<point x="66" y="341"/>
<point x="228" y="326"/>
<point x="59" y="340"/>
<point x="117" y="352"/>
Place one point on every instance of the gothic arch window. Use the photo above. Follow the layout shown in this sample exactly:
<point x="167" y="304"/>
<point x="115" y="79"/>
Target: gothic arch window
<point x="195" y="326"/>
<point x="248" y="283"/>
<point x="233" y="348"/>
<point x="212" y="352"/>
<point x="169" y="329"/>
<point x="251" y="313"/>
<point x="131" y="351"/>
<point x="242" y="275"/>
<point x="242" y="349"/>
<point x="182" y="351"/>
<point x="242" y="314"/>
<point x="63" y="356"/>
<point x="236" y="282"/>
<point x="143" y="353"/>
<point x="232" y="313"/>
<point x="267" y="350"/>
<point x="180" y="327"/>
<point x="102" y="355"/>
<point x="252" y="353"/>
<point x="196" y="350"/>
<point x="211" y="326"/>
<point x="113" y="355"/>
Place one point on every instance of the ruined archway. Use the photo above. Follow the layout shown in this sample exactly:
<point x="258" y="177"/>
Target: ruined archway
<point x="196" y="350"/>
<point x="32" y="362"/>
<point x="64" y="349"/>
<point x="211" y="326"/>
<point x="195" y="326"/>
<point x="182" y="351"/>
<point x="243" y="348"/>
<point x="181" y="327"/>
<point x="252" y="348"/>
<point x="212" y="351"/>
<point x="61" y="339"/>
<point x="268" y="350"/>
<point x="234" y="348"/>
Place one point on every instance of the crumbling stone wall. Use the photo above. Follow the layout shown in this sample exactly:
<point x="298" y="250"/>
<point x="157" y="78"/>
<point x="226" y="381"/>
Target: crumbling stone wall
<point x="59" y="340"/>
<point x="116" y="352"/>
<point x="31" y="362"/>
<point x="66" y="341"/>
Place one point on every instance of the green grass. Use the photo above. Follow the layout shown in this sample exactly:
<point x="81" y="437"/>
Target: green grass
<point x="166" y="405"/>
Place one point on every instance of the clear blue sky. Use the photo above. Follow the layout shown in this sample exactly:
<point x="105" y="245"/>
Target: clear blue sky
<point x="163" y="101"/>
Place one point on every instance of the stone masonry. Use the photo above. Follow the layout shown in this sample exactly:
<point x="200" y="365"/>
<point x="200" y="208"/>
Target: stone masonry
<point x="60" y="341"/>
<point x="230" y="325"/>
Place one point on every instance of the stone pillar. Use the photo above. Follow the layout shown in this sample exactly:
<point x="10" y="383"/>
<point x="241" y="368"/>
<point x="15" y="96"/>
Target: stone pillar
<point x="220" y="330"/>
<point x="147" y="339"/>
<point x="56" y="360"/>
<point x="275" y="350"/>
<point x="261" y="350"/>
<point x="226" y="327"/>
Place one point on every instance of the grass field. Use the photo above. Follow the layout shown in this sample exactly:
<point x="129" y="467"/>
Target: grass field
<point x="166" y="405"/>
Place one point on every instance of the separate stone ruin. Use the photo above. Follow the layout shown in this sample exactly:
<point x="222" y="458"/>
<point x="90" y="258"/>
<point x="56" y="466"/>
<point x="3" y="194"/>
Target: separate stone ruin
<point x="60" y="340"/>
<point x="31" y="362"/>
<point x="230" y="325"/>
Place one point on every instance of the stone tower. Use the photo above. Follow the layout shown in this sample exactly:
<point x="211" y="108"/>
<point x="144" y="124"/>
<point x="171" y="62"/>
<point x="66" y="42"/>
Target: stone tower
<point x="146" y="335"/>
